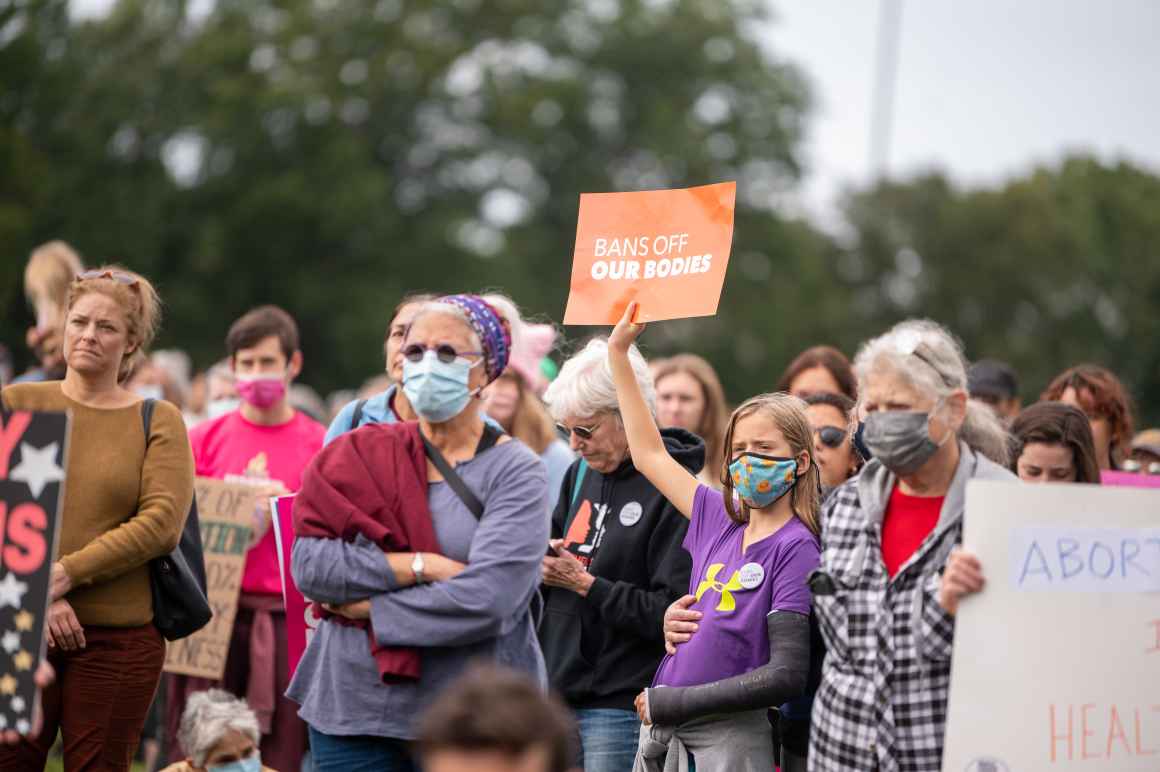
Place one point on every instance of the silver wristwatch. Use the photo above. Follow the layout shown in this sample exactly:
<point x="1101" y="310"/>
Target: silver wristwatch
<point x="417" y="568"/>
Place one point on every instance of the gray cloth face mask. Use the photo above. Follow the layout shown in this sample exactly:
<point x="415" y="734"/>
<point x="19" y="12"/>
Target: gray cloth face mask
<point x="900" y="439"/>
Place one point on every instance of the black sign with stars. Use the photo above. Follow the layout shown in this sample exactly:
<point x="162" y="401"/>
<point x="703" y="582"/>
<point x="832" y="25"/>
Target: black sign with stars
<point x="32" y="463"/>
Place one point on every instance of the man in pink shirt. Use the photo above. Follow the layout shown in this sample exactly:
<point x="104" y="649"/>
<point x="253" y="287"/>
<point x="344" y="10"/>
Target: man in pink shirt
<point x="267" y="444"/>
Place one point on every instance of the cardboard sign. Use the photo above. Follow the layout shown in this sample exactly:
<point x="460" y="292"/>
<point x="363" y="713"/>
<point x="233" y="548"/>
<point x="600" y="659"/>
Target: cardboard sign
<point x="1057" y="662"/>
<point x="667" y="249"/>
<point x="226" y="512"/>
<point x="32" y="464"/>
<point x="300" y="619"/>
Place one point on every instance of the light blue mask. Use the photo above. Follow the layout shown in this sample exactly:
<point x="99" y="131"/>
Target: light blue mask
<point x="252" y="764"/>
<point x="437" y="390"/>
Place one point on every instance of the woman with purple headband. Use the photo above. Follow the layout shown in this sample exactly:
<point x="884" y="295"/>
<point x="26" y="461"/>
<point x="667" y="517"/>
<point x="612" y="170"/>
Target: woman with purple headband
<point x="404" y="622"/>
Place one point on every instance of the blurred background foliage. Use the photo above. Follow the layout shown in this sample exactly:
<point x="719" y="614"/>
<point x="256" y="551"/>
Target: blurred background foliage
<point x="329" y="156"/>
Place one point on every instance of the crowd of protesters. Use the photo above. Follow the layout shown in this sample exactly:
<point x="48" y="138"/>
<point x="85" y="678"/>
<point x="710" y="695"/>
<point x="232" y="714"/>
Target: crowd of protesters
<point x="521" y="566"/>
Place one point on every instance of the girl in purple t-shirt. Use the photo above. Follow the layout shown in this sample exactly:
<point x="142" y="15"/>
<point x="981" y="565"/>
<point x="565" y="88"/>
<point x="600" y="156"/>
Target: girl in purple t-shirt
<point x="753" y="546"/>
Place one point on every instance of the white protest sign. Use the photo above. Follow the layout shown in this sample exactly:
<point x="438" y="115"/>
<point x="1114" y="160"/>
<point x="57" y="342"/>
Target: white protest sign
<point x="1057" y="662"/>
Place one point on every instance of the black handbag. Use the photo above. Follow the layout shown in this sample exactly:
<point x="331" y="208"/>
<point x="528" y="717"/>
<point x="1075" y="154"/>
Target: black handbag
<point x="177" y="580"/>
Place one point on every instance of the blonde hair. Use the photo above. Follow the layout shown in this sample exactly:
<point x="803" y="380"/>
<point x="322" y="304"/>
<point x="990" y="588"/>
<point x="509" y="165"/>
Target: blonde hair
<point x="139" y="302"/>
<point x="47" y="278"/>
<point x="788" y="414"/>
<point x="716" y="412"/>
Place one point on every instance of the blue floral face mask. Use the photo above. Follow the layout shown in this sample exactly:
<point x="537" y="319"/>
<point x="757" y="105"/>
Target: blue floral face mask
<point x="761" y="480"/>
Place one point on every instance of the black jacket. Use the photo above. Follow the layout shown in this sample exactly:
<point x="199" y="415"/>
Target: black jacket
<point x="603" y="649"/>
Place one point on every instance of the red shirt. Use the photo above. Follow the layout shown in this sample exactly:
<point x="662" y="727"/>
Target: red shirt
<point x="233" y="449"/>
<point x="907" y="522"/>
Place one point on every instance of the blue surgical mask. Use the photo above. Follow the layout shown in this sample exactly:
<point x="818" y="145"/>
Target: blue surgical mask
<point x="252" y="764"/>
<point x="761" y="480"/>
<point x="437" y="390"/>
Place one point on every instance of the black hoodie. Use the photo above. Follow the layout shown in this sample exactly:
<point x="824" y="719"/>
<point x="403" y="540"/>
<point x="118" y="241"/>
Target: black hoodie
<point x="603" y="649"/>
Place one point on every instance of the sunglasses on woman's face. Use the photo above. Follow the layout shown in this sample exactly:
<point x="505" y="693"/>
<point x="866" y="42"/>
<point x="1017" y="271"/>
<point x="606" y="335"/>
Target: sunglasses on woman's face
<point x="831" y="436"/>
<point x="583" y="432"/>
<point x="445" y="352"/>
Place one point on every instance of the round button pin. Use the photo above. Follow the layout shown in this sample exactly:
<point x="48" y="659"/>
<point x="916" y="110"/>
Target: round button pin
<point x="751" y="575"/>
<point x="631" y="513"/>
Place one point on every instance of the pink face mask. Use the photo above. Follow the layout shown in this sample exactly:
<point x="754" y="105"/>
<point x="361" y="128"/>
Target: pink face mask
<point x="261" y="391"/>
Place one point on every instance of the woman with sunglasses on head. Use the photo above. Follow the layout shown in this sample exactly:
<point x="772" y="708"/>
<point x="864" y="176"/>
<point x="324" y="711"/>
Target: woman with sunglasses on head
<point x="752" y="546"/>
<point x="422" y="540"/>
<point x="125" y="503"/>
<point x="615" y="561"/>
<point x="884" y="604"/>
<point x="832" y="420"/>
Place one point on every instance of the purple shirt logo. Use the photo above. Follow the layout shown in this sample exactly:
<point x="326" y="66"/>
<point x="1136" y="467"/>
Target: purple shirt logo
<point x="724" y="589"/>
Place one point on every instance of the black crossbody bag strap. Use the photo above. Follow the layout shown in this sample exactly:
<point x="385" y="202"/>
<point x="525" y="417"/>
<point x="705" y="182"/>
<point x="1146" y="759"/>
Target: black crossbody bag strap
<point x="356" y="418"/>
<point x="469" y="499"/>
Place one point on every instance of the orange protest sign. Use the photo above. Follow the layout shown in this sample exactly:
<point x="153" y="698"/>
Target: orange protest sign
<point x="665" y="249"/>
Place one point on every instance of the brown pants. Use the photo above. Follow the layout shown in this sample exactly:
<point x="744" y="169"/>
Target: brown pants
<point x="98" y="701"/>
<point x="284" y="746"/>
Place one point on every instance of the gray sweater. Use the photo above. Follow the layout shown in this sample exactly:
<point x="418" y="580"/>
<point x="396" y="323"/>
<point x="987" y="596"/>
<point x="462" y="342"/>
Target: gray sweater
<point x="484" y="612"/>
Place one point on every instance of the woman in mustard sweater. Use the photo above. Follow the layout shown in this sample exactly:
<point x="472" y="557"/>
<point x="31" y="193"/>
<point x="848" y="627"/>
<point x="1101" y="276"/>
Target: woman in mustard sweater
<point x="125" y="502"/>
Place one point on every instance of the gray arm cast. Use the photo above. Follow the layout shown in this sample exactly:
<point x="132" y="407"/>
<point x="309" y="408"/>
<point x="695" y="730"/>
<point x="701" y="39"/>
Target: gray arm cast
<point x="783" y="679"/>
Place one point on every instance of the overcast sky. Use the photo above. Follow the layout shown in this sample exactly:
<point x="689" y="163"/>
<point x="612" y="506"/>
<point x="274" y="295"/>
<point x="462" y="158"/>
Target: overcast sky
<point x="985" y="89"/>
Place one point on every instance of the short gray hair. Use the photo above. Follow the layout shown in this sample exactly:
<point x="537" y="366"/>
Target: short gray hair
<point x="208" y="716"/>
<point x="928" y="357"/>
<point x="584" y="386"/>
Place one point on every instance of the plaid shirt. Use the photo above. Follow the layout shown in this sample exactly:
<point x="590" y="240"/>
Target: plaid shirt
<point x="883" y="698"/>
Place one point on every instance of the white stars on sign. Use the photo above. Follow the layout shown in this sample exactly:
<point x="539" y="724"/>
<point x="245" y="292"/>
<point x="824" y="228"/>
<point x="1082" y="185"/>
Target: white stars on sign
<point x="11" y="591"/>
<point x="37" y="467"/>
<point x="10" y="642"/>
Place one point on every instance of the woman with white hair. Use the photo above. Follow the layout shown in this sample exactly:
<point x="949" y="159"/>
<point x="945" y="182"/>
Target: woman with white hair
<point x="615" y="562"/>
<point x="220" y="734"/>
<point x="886" y="537"/>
